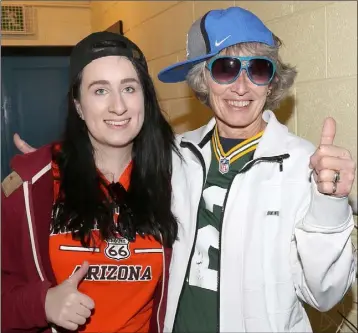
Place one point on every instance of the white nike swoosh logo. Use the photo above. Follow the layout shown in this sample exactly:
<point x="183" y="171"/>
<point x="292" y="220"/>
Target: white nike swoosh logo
<point x="222" y="41"/>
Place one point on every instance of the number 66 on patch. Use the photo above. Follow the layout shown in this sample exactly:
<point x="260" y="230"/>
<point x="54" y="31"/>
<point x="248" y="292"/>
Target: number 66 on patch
<point x="117" y="248"/>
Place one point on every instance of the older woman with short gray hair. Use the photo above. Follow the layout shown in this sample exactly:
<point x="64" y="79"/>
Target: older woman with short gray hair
<point x="265" y="222"/>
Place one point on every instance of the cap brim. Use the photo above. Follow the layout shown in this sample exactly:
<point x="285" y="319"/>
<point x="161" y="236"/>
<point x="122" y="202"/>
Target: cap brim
<point x="179" y="71"/>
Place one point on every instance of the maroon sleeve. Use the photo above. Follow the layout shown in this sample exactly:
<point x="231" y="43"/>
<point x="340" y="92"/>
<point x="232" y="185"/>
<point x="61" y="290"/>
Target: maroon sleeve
<point x="22" y="292"/>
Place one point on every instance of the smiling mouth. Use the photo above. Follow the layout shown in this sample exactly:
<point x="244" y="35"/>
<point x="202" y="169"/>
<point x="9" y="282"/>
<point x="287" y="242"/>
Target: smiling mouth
<point x="117" y="123"/>
<point x="238" y="104"/>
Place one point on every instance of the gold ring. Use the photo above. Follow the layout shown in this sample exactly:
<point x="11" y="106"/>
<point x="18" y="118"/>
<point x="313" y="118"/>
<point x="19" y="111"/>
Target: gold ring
<point x="334" y="188"/>
<point x="336" y="177"/>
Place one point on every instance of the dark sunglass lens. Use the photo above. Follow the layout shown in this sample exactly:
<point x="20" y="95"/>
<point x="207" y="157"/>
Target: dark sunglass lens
<point x="225" y="69"/>
<point x="260" y="70"/>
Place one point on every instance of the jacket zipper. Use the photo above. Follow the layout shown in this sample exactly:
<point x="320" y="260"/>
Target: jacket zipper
<point x="271" y="159"/>
<point x="197" y="153"/>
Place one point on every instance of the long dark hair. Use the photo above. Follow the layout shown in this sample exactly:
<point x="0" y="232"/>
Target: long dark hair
<point x="146" y="207"/>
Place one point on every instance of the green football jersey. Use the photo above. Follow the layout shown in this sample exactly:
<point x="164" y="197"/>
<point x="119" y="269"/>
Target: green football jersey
<point x="198" y="304"/>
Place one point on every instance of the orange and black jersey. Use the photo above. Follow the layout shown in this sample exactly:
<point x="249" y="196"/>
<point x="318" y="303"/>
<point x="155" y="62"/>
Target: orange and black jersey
<point x="122" y="275"/>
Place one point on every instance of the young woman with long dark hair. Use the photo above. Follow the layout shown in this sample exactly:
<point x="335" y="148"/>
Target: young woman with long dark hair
<point x="86" y="222"/>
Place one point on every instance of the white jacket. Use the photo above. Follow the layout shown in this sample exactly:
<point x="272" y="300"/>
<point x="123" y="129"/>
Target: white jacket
<point x="282" y="242"/>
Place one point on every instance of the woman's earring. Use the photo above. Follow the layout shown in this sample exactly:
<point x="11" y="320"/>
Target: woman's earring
<point x="79" y="113"/>
<point x="268" y="92"/>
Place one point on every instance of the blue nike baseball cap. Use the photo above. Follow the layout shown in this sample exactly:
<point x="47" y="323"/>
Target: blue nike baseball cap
<point x="215" y="31"/>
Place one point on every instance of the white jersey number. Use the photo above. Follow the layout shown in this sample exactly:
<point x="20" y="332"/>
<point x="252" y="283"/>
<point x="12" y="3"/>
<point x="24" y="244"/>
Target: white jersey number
<point x="200" y="274"/>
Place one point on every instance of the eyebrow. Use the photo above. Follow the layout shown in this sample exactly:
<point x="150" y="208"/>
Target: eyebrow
<point x="105" y="82"/>
<point x="129" y="80"/>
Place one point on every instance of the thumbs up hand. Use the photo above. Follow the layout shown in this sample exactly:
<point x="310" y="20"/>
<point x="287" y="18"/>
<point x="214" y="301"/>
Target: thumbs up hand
<point x="65" y="306"/>
<point x="333" y="167"/>
<point x="22" y="145"/>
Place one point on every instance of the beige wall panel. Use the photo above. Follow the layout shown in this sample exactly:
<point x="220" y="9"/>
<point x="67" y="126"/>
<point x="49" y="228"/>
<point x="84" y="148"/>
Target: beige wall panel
<point x="188" y="114"/>
<point x="164" y="34"/>
<point x="141" y="11"/>
<point x="98" y="14"/>
<point x="287" y="113"/>
<point x="267" y="10"/>
<point x="164" y="106"/>
<point x="309" y="5"/>
<point x="183" y="88"/>
<point x="114" y="12"/>
<point x="166" y="90"/>
<point x="202" y="7"/>
<point x="304" y="38"/>
<point x="342" y="39"/>
<point x="132" y="13"/>
<point x="336" y="98"/>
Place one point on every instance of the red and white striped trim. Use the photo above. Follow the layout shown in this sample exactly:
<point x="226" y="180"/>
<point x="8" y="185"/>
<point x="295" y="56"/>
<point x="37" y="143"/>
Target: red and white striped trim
<point x="40" y="173"/>
<point x="29" y="217"/>
<point x="79" y="248"/>
<point x="148" y="250"/>
<point x="31" y="230"/>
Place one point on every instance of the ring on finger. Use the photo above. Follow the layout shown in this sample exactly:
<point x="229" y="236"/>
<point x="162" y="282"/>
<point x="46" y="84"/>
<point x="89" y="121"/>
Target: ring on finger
<point x="334" y="188"/>
<point x="336" y="177"/>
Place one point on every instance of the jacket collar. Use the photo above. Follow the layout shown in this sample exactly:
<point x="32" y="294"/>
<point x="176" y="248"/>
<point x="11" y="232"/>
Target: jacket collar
<point x="272" y="142"/>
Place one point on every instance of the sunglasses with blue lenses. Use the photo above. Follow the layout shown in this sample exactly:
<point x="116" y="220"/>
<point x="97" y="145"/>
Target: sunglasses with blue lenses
<point x="226" y="69"/>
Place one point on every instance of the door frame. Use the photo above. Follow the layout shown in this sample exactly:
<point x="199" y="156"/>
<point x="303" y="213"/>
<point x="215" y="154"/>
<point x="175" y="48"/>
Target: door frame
<point x="36" y="51"/>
